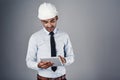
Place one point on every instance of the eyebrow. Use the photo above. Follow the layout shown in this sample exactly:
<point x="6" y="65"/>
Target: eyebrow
<point x="52" y="19"/>
<point x="44" y="21"/>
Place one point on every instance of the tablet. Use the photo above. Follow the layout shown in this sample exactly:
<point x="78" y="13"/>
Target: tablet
<point x="55" y="60"/>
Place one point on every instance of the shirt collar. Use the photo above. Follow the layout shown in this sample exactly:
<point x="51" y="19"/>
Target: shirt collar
<point x="55" y="31"/>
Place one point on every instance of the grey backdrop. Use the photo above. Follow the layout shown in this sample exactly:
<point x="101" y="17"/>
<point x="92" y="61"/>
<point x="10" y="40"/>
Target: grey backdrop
<point x="93" y="26"/>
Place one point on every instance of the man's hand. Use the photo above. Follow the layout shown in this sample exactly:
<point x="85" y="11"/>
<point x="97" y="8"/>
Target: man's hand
<point x="62" y="59"/>
<point x="45" y="65"/>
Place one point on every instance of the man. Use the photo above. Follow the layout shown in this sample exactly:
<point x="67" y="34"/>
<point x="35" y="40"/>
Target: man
<point x="49" y="42"/>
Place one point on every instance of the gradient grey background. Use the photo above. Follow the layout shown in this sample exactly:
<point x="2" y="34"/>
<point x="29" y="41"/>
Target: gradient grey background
<point x="93" y="26"/>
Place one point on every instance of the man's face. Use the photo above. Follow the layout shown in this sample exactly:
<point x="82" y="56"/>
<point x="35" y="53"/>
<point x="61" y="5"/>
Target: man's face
<point x="50" y="24"/>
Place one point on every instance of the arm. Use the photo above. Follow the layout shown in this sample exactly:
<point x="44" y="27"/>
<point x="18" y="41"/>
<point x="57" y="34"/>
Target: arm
<point x="31" y="57"/>
<point x="69" y="52"/>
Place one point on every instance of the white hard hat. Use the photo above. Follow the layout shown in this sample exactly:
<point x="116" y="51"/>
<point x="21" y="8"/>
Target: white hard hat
<point x="47" y="11"/>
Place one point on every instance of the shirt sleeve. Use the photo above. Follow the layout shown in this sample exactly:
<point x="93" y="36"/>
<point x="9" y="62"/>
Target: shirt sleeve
<point x="31" y="57"/>
<point x="69" y="52"/>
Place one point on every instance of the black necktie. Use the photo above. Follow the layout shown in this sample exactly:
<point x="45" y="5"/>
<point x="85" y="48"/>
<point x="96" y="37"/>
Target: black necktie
<point x="53" y="48"/>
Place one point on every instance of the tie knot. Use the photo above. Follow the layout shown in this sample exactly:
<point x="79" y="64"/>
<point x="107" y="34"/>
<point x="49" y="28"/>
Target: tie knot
<point x="51" y="33"/>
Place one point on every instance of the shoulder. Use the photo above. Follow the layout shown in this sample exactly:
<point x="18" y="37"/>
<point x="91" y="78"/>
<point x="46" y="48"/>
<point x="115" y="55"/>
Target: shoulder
<point x="36" y="34"/>
<point x="62" y="33"/>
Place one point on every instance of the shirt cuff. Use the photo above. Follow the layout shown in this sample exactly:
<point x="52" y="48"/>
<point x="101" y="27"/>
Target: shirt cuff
<point x="68" y="61"/>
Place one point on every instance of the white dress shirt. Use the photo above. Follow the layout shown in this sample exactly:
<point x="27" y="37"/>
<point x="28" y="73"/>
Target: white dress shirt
<point x="39" y="47"/>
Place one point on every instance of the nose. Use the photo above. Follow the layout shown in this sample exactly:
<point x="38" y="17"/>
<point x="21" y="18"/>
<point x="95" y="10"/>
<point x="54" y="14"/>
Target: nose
<point x="49" y="24"/>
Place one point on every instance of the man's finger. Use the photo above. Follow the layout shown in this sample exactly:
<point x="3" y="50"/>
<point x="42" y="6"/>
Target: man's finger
<point x="62" y="59"/>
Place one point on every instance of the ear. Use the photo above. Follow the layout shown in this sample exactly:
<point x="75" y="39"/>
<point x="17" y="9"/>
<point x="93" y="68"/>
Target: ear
<point x="56" y="17"/>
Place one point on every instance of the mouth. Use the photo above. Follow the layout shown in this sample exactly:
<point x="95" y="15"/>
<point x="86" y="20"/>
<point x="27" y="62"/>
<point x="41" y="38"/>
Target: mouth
<point x="50" y="29"/>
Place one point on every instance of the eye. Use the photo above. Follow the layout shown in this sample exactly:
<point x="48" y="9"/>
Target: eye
<point x="53" y="20"/>
<point x="45" y="22"/>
